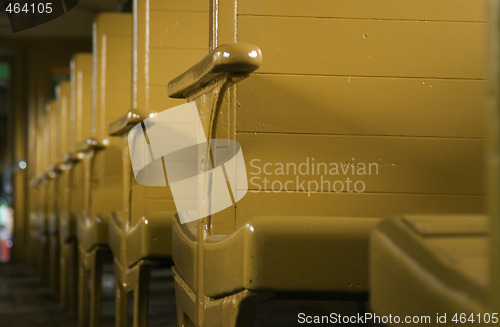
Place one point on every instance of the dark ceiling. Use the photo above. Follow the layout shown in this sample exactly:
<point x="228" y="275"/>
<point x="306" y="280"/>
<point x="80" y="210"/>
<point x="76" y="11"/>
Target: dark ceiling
<point x="75" y="23"/>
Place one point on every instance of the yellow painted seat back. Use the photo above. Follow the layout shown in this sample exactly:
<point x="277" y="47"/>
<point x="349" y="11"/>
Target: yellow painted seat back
<point x="353" y="114"/>
<point x="346" y="85"/>
<point x="169" y="35"/>
<point x="53" y="127"/>
<point x="112" y="95"/>
<point x="81" y="106"/>
<point x="63" y="93"/>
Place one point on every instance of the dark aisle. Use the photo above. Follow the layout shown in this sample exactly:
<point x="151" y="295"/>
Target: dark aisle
<point x="26" y="302"/>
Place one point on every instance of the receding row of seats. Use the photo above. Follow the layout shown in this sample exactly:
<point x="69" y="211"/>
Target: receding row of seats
<point x="345" y="83"/>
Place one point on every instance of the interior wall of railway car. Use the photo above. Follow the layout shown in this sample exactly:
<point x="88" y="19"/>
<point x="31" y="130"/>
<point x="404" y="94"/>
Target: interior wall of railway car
<point x="33" y="62"/>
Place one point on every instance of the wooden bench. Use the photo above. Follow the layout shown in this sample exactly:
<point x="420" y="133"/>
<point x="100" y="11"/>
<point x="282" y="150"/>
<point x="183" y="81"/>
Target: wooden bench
<point x="63" y="94"/>
<point x="112" y="78"/>
<point x="493" y="109"/>
<point x="167" y="33"/>
<point x="424" y="265"/>
<point x="43" y="192"/>
<point x="340" y="84"/>
<point x="445" y="264"/>
<point x="53" y="172"/>
<point x="79" y="127"/>
<point x="36" y="187"/>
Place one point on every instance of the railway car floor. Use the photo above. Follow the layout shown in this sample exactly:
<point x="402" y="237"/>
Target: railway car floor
<point x="27" y="301"/>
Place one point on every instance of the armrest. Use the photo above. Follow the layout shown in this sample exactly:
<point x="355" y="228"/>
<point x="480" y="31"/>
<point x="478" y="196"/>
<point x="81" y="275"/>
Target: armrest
<point x="54" y="171"/>
<point x="90" y="144"/>
<point x="34" y="182"/>
<point x="123" y="124"/>
<point x="41" y="179"/>
<point x="225" y="61"/>
<point x="115" y="218"/>
<point x="68" y="158"/>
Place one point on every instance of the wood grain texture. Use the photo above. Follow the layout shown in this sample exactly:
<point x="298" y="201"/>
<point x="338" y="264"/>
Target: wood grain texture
<point x="81" y="94"/>
<point x="353" y="205"/>
<point x="403" y="164"/>
<point x="359" y="105"/>
<point x="448" y="10"/>
<point x="367" y="48"/>
<point x="182" y="30"/>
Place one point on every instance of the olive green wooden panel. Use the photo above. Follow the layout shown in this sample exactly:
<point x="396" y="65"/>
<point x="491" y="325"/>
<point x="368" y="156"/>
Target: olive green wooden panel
<point x="113" y="65"/>
<point x="164" y="25"/>
<point x="353" y="205"/>
<point x="77" y="192"/>
<point x="64" y="107"/>
<point x="53" y="145"/>
<point x="445" y="272"/>
<point x="54" y="133"/>
<point x="157" y="94"/>
<point x="118" y="102"/>
<point x="81" y="115"/>
<point x="63" y="92"/>
<point x="108" y="169"/>
<point x="475" y="268"/>
<point x="46" y="136"/>
<point x="191" y="5"/>
<point x="40" y="153"/>
<point x="170" y="37"/>
<point x="114" y="23"/>
<point x="81" y="103"/>
<point x="118" y="59"/>
<point x="164" y="64"/>
<point x="403" y="164"/>
<point x="493" y="112"/>
<point x="361" y="105"/>
<point x="179" y="29"/>
<point x="159" y="205"/>
<point x="367" y="47"/>
<point x="456" y="249"/>
<point x="157" y="192"/>
<point x="438" y="225"/>
<point x="142" y="205"/>
<point x="106" y="182"/>
<point x="119" y="66"/>
<point x="113" y="59"/>
<point x="43" y="145"/>
<point x="452" y="10"/>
